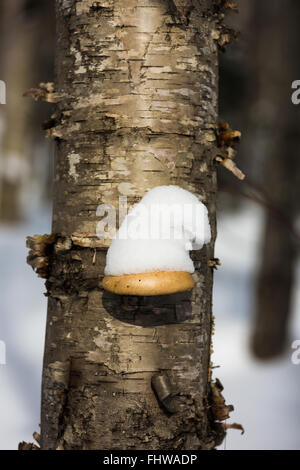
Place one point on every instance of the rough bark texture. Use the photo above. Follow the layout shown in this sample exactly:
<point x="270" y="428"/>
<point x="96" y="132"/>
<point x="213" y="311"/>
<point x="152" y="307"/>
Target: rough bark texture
<point x="138" y="87"/>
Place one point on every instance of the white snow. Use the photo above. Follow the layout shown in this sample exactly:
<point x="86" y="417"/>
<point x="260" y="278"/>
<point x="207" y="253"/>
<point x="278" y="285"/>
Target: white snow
<point x="159" y="232"/>
<point x="22" y="328"/>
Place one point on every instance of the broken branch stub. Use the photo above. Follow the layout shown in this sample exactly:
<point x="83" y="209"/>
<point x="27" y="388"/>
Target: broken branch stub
<point x="226" y="138"/>
<point x="40" y="250"/>
<point x="219" y="408"/>
<point x="45" y="92"/>
<point x="214" y="263"/>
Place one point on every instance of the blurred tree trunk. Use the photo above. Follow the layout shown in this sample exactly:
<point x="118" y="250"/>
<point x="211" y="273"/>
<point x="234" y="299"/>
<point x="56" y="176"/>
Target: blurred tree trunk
<point x="16" y="69"/>
<point x="138" y="85"/>
<point x="25" y="56"/>
<point x="277" y="66"/>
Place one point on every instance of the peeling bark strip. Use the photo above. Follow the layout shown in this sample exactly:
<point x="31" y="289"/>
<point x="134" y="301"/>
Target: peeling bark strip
<point x="138" y="81"/>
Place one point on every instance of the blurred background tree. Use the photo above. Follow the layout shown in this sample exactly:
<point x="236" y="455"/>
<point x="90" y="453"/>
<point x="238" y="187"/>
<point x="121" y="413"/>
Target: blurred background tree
<point x="256" y="98"/>
<point x="26" y="57"/>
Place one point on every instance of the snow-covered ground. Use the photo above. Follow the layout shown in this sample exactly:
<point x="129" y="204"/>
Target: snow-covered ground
<point x="265" y="395"/>
<point x="22" y="326"/>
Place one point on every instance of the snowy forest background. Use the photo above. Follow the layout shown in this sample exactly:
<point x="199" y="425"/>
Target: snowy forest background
<point x="258" y="222"/>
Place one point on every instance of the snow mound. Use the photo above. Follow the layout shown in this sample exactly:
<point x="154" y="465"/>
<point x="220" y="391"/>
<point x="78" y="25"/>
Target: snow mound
<point x="158" y="233"/>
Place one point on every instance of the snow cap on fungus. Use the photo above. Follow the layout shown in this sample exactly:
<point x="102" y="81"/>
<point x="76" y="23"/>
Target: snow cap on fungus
<point x="158" y="233"/>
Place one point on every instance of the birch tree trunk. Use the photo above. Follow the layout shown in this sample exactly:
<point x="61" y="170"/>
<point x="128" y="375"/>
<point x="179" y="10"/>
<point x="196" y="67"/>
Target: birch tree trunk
<point x="137" y="82"/>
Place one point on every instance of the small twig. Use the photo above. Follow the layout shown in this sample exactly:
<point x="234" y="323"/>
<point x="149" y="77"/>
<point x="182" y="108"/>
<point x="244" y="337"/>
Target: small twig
<point x="231" y="166"/>
<point x="37" y="437"/>
<point x="237" y="426"/>
<point x="263" y="199"/>
<point x="95" y="256"/>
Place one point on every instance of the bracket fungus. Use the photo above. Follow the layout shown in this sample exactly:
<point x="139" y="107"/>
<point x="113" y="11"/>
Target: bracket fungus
<point x="149" y="255"/>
